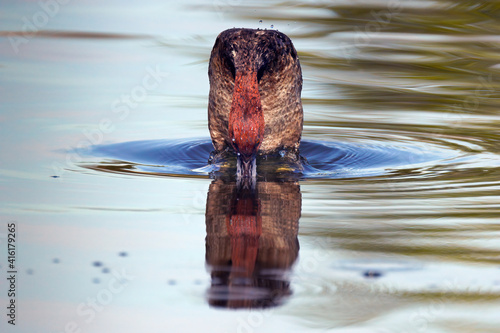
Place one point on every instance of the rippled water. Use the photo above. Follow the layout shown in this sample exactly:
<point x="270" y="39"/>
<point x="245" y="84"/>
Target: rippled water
<point x="122" y="225"/>
<point x="320" y="159"/>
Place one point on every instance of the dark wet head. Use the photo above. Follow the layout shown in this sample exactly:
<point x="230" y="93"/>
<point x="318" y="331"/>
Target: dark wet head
<point x="265" y="52"/>
<point x="248" y="59"/>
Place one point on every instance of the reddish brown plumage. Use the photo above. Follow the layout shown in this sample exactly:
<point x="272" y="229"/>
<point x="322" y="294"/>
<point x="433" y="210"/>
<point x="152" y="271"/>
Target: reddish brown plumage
<point x="246" y="120"/>
<point x="255" y="86"/>
<point x="251" y="242"/>
<point x="244" y="226"/>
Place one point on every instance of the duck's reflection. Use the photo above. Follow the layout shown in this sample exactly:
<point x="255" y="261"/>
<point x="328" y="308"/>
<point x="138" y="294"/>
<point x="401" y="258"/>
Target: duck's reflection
<point x="251" y="242"/>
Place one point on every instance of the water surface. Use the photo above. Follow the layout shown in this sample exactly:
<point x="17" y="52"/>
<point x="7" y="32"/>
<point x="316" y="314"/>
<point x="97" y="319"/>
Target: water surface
<point x="391" y="227"/>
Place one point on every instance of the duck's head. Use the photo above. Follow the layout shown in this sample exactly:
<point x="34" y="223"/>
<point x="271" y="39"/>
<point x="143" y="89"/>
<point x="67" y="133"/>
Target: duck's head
<point x="244" y="65"/>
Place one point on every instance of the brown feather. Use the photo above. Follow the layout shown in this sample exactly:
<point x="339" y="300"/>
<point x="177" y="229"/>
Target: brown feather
<point x="268" y="56"/>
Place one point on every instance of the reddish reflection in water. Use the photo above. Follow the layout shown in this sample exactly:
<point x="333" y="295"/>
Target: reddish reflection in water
<point x="251" y="242"/>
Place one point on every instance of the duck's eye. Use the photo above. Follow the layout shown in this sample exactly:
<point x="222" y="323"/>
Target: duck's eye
<point x="228" y="61"/>
<point x="260" y="72"/>
<point x="230" y="65"/>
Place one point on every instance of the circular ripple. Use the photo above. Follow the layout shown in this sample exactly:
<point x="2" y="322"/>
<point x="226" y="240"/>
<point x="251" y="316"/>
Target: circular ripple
<point x="322" y="159"/>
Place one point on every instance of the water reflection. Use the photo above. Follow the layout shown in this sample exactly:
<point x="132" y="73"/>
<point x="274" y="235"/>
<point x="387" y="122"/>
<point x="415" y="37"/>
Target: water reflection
<point x="251" y="242"/>
<point x="321" y="159"/>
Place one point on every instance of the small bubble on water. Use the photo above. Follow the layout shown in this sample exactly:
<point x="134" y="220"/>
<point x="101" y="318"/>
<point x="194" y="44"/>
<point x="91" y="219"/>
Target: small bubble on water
<point x="97" y="264"/>
<point x="372" y="274"/>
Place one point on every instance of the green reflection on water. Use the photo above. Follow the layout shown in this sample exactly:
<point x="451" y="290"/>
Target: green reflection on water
<point x="422" y="72"/>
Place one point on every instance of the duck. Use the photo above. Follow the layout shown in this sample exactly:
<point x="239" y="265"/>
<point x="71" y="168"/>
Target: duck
<point x="255" y="106"/>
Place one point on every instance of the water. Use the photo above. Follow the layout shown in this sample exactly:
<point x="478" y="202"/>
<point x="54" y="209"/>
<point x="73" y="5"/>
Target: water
<point x="320" y="159"/>
<point x="391" y="226"/>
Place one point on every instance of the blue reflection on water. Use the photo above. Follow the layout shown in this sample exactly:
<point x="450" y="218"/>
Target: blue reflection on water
<point x="322" y="159"/>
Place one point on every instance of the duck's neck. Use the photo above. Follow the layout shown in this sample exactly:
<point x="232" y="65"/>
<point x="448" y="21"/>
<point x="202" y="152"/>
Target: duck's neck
<point x="246" y="120"/>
